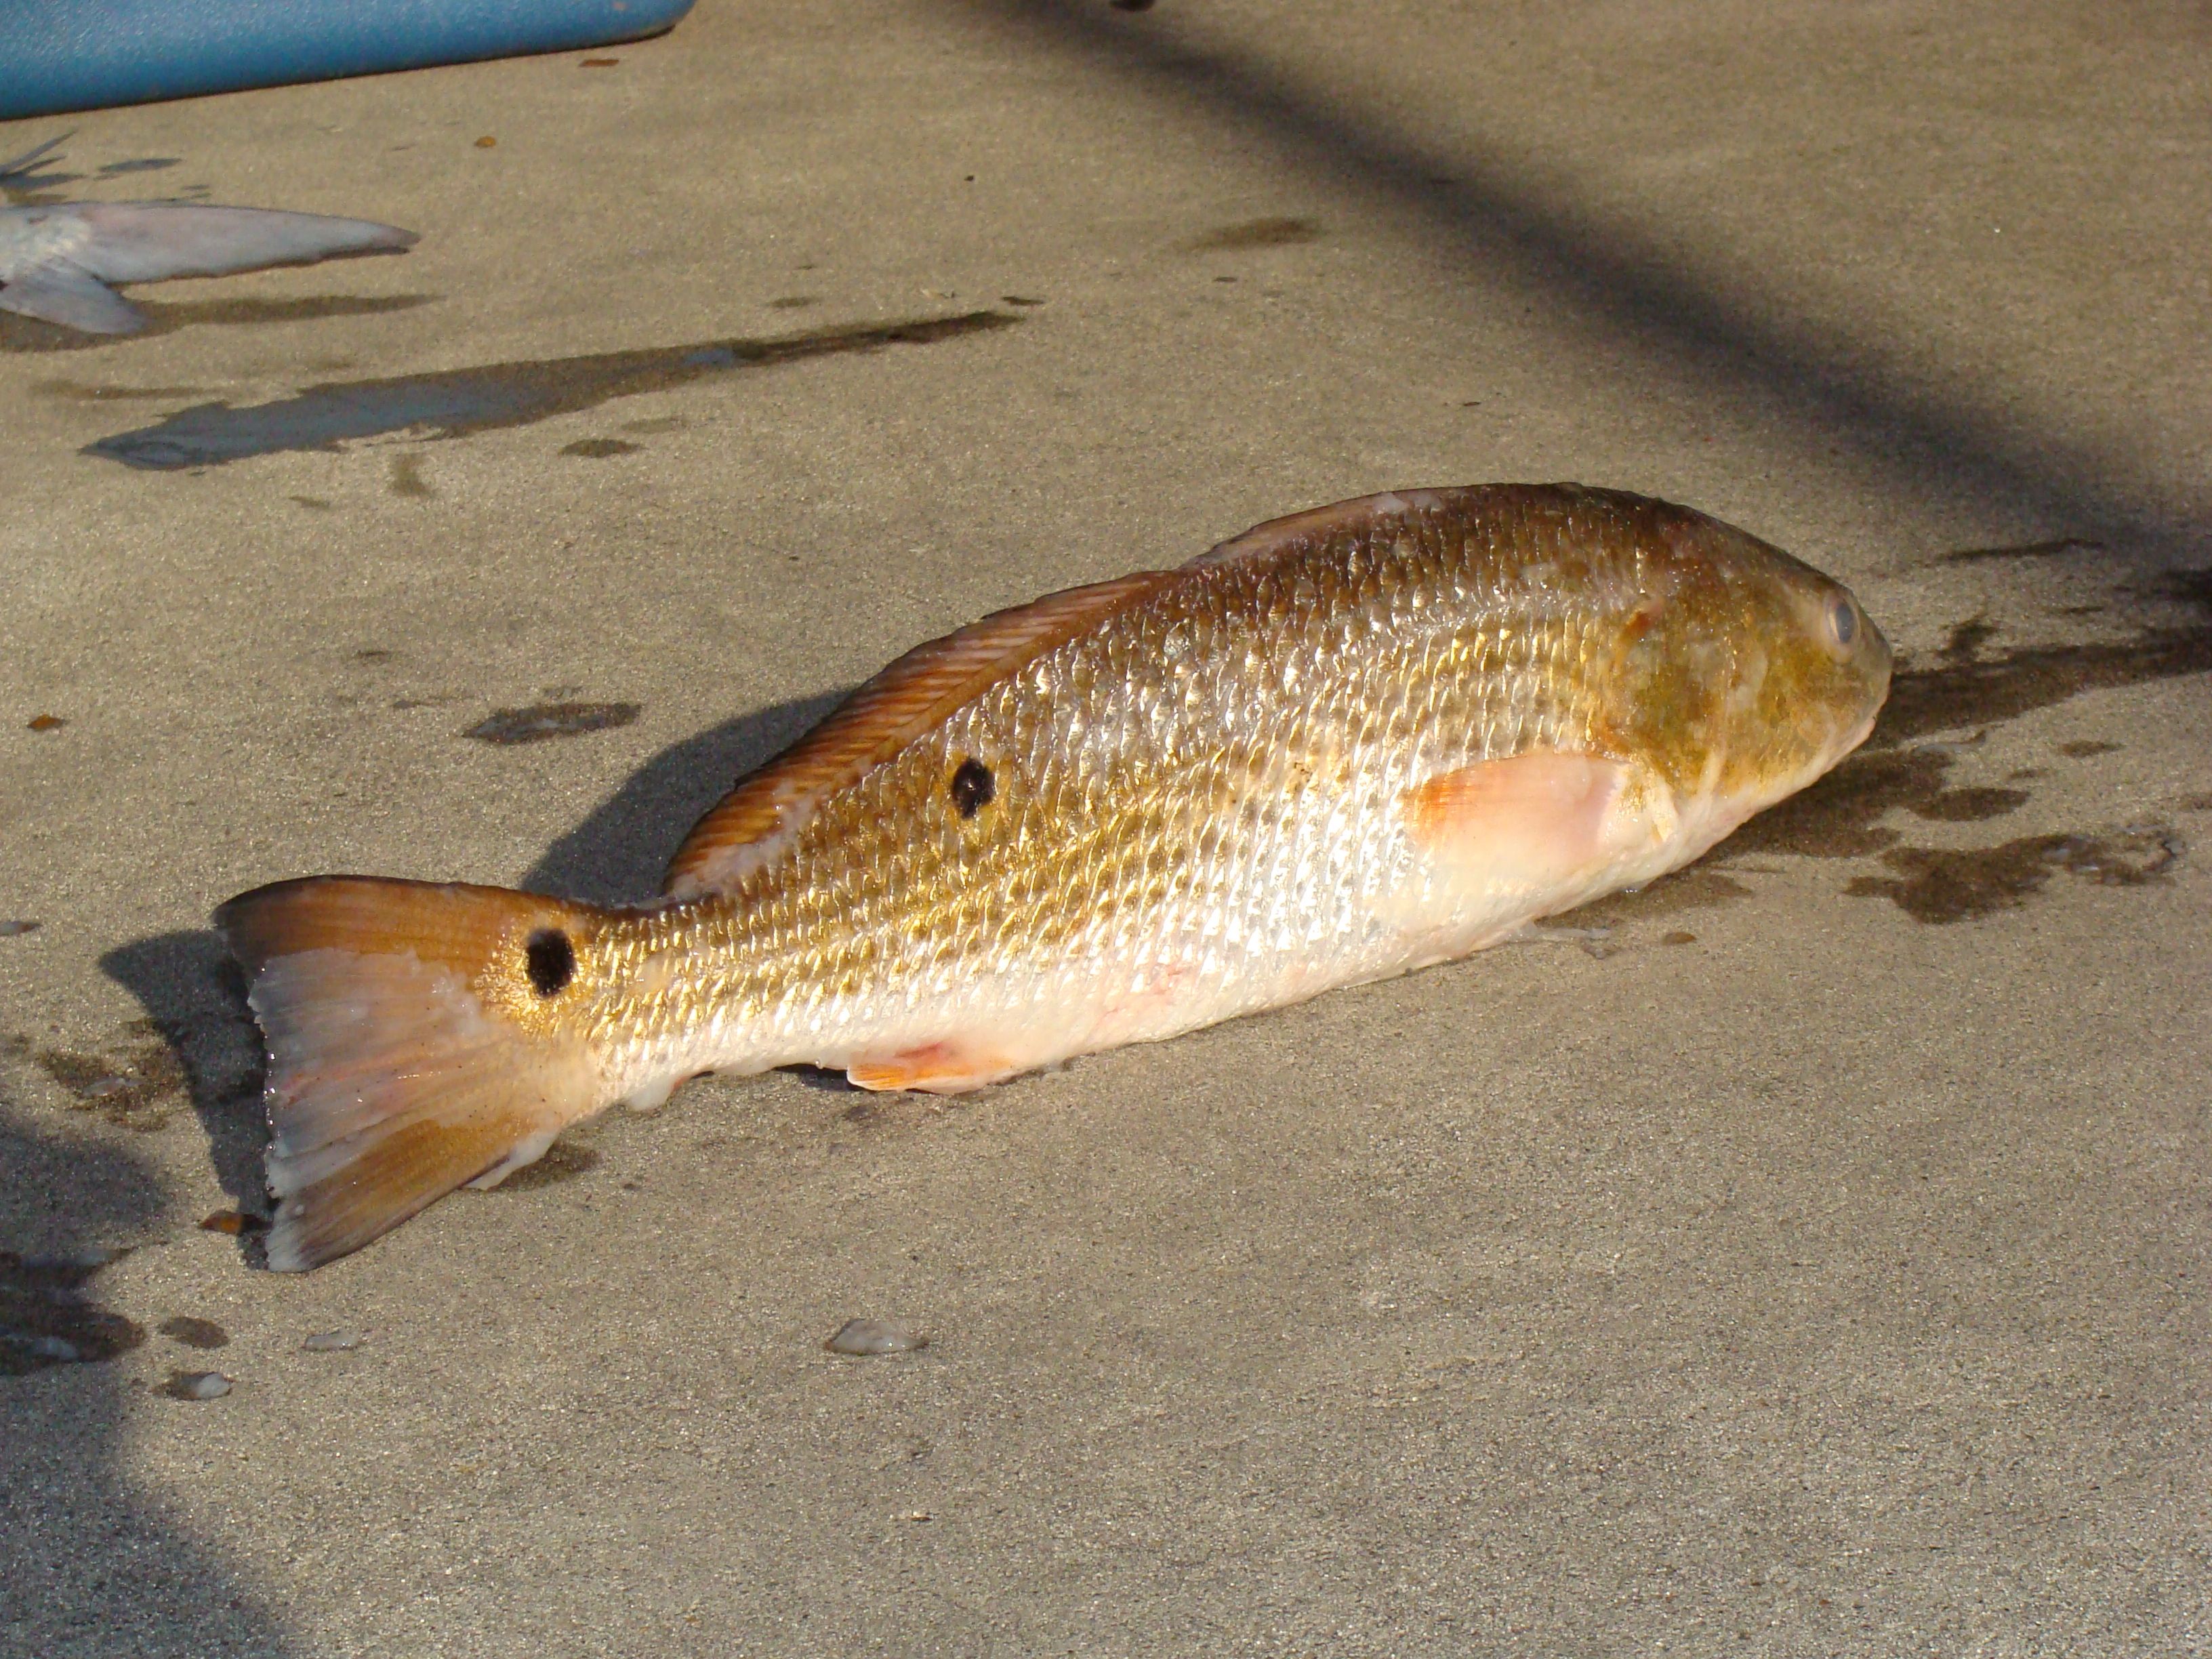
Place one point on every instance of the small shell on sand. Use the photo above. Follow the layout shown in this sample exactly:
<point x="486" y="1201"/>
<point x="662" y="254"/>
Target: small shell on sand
<point x="869" y="1336"/>
<point x="195" y="1385"/>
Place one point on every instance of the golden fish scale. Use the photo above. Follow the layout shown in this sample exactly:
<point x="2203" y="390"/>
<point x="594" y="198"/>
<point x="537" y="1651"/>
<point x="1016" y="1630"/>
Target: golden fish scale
<point x="1207" y="770"/>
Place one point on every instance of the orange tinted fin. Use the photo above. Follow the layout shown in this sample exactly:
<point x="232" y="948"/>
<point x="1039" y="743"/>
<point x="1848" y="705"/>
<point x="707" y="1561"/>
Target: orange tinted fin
<point x="1532" y="818"/>
<point x="935" y="1068"/>
<point x="417" y="1039"/>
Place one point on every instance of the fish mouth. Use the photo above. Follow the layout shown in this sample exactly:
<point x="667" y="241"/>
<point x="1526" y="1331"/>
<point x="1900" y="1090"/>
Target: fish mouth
<point x="1845" y="740"/>
<point x="1841" y="742"/>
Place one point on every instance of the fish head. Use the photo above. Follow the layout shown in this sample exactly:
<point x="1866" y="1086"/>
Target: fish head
<point x="1744" y="674"/>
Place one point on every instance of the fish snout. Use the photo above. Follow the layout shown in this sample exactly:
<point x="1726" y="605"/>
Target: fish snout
<point x="1874" y="662"/>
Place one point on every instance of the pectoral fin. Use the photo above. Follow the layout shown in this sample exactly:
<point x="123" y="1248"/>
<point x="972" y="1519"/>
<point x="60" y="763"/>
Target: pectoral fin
<point x="59" y="292"/>
<point x="1530" y="821"/>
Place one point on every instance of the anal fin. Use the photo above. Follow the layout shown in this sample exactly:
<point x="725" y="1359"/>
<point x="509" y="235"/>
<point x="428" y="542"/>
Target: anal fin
<point x="60" y="292"/>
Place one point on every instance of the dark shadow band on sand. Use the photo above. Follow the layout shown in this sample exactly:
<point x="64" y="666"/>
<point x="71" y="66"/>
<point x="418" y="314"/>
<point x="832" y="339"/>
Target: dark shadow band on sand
<point x="1706" y="320"/>
<point x="92" y="1562"/>
<point x="454" y="403"/>
<point x="28" y="334"/>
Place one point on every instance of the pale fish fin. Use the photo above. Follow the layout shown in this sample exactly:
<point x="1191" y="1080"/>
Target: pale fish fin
<point x="524" y="1153"/>
<point x="153" y="241"/>
<point x="22" y="163"/>
<point x="1530" y="821"/>
<point x="1361" y="519"/>
<point x="934" y="1068"/>
<point x="650" y="1096"/>
<point x="61" y="292"/>
<point x="417" y="1042"/>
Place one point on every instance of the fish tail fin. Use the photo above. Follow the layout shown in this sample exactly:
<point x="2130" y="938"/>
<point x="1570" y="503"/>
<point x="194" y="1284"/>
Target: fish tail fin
<point x="420" y="1036"/>
<point x="153" y="241"/>
<point x="22" y="163"/>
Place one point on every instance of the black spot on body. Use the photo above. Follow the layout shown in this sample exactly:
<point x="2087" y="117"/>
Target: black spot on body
<point x="973" y="788"/>
<point x="552" y="961"/>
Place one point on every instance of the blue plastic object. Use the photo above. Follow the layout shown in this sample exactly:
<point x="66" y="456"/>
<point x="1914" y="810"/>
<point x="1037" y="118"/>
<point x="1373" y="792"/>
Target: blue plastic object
<point x="58" y="55"/>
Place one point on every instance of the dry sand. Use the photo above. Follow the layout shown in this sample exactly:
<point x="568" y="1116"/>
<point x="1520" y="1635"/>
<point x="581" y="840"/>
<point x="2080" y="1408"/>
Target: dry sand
<point x="1816" y="1264"/>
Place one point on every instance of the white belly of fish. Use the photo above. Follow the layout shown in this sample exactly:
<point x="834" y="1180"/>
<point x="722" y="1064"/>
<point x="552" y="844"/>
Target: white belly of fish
<point x="1338" y="890"/>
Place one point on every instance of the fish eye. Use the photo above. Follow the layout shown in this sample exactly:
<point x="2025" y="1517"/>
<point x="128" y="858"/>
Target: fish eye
<point x="1842" y="621"/>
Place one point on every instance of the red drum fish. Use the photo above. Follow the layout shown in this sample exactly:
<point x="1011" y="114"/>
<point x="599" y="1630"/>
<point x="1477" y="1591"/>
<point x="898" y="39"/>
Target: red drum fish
<point x="1346" y="745"/>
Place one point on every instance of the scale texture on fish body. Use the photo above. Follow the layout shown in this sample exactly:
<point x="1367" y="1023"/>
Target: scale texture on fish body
<point x="1346" y="745"/>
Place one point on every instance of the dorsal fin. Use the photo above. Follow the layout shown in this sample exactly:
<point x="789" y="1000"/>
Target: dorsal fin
<point x="756" y="818"/>
<point x="1300" y="532"/>
<point x="752" y="824"/>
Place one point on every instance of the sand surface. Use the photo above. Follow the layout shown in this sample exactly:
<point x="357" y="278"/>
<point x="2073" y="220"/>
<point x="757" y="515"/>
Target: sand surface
<point x="1816" y="1263"/>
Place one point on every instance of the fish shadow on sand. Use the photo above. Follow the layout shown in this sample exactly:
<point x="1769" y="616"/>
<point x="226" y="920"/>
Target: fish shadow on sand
<point x="104" y="1564"/>
<point x="619" y="854"/>
<point x="28" y="334"/>
<point x="194" y="997"/>
<point x="486" y="397"/>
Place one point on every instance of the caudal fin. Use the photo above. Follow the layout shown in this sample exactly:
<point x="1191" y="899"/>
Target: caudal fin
<point x="153" y="241"/>
<point x="420" y="1036"/>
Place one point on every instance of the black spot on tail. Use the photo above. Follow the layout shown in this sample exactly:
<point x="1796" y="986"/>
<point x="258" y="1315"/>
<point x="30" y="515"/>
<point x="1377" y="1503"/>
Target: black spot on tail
<point x="552" y="961"/>
<point x="973" y="786"/>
